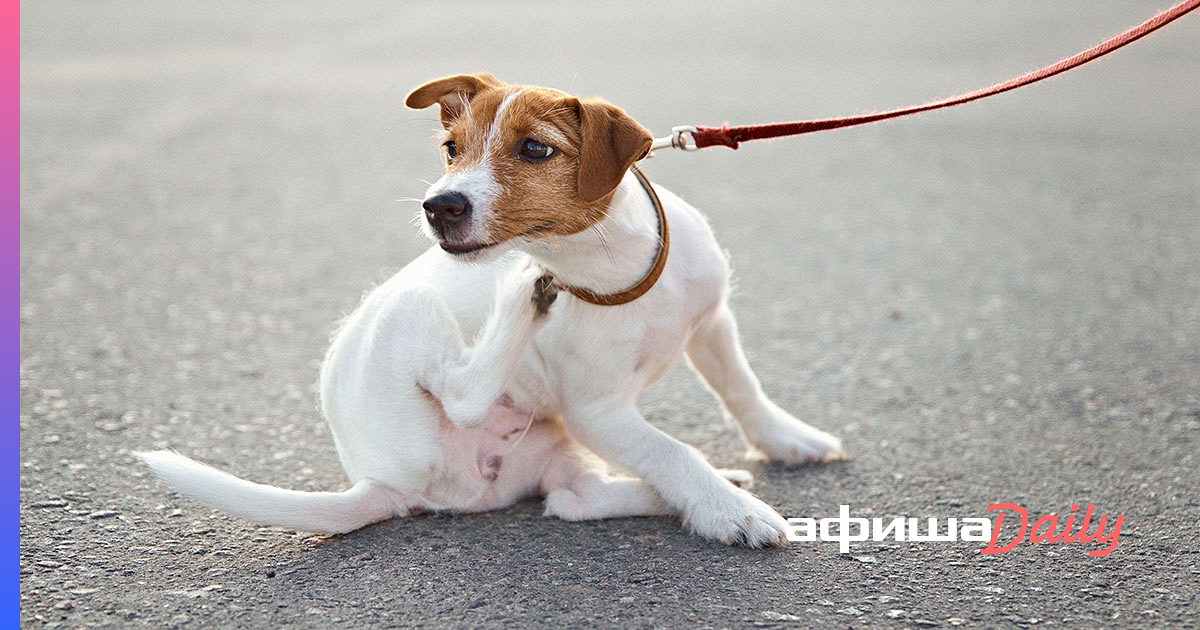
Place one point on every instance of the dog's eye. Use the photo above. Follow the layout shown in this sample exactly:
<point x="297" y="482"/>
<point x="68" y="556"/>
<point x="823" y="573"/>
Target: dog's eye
<point x="451" y="150"/>
<point x="533" y="151"/>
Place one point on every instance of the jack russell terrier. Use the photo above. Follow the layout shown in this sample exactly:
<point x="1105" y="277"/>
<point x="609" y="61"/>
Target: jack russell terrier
<point x="540" y="185"/>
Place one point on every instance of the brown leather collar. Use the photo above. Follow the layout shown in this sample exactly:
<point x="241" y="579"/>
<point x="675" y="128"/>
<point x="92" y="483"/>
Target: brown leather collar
<point x="636" y="291"/>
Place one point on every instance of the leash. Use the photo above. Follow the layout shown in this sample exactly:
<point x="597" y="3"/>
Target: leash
<point x="691" y="138"/>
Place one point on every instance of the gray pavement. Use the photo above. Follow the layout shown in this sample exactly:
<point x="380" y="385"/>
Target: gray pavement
<point x="995" y="304"/>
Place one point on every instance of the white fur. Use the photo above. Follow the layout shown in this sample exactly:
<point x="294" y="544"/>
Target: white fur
<point x="480" y="185"/>
<point x="412" y="408"/>
<point x="498" y="121"/>
<point x="364" y="503"/>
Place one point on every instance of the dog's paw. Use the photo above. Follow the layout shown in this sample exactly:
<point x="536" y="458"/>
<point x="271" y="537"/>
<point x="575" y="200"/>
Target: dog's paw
<point x="799" y="444"/>
<point x="527" y="290"/>
<point x="545" y="291"/>
<point x="564" y="504"/>
<point x="739" y="519"/>
<point x="788" y="440"/>
<point x="737" y="477"/>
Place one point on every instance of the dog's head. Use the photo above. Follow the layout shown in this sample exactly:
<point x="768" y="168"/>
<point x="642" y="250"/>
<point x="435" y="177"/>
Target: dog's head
<point x="521" y="162"/>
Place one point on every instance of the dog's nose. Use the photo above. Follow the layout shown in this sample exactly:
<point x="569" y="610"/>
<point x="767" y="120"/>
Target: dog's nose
<point x="447" y="210"/>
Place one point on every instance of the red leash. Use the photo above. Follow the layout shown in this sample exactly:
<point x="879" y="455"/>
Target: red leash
<point x="700" y="137"/>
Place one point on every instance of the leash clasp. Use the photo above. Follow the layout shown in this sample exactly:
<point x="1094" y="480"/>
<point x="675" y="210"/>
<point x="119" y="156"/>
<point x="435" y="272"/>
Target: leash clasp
<point x="680" y="138"/>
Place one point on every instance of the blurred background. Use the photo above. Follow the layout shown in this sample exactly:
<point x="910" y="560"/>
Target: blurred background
<point x="999" y="302"/>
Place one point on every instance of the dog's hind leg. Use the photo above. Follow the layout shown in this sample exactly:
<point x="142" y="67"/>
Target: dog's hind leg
<point x="578" y="487"/>
<point x="716" y="353"/>
<point x="595" y="495"/>
<point x="469" y="381"/>
<point x="736" y="476"/>
<point x="600" y="498"/>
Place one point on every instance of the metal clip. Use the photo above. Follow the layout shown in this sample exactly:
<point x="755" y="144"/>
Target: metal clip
<point x="680" y="138"/>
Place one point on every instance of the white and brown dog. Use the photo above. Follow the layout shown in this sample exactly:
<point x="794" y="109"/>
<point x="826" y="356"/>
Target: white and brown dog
<point x="539" y="185"/>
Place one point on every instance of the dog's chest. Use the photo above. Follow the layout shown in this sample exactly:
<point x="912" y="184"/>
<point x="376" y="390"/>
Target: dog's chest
<point x="584" y="354"/>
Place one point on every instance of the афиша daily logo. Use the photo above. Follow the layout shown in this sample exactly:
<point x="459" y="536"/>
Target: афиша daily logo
<point x="1043" y="530"/>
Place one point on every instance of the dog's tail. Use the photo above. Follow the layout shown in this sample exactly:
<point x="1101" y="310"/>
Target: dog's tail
<point x="366" y="502"/>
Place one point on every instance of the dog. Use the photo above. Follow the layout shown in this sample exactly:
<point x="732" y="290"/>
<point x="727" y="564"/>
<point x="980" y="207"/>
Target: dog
<point x="580" y="284"/>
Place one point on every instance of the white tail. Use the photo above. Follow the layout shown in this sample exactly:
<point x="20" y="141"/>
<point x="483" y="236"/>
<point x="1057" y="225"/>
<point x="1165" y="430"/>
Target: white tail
<point x="366" y="502"/>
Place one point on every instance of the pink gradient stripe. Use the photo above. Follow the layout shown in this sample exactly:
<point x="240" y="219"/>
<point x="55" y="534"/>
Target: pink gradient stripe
<point x="10" y="189"/>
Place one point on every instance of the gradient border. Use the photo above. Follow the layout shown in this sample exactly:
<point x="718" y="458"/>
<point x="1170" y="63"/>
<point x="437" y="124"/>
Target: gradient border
<point x="10" y="214"/>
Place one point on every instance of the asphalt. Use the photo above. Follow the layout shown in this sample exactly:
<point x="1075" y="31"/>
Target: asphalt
<point x="999" y="303"/>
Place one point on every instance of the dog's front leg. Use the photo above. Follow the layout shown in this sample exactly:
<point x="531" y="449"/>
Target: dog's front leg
<point x="715" y="352"/>
<point x="710" y="505"/>
<point x="470" y="384"/>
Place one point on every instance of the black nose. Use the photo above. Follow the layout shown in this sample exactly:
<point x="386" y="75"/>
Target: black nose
<point x="447" y="210"/>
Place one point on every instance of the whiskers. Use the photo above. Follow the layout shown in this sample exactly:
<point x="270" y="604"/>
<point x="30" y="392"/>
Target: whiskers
<point x="602" y="234"/>
<point x="417" y="216"/>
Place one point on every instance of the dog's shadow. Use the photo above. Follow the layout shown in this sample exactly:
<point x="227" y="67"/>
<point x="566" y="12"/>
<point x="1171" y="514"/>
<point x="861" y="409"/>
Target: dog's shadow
<point x="467" y="564"/>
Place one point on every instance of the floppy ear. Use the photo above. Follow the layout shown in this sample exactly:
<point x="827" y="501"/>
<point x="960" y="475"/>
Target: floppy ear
<point x="452" y="93"/>
<point x="612" y="142"/>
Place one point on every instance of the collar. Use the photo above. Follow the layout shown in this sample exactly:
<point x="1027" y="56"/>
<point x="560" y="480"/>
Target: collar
<point x="660" y="261"/>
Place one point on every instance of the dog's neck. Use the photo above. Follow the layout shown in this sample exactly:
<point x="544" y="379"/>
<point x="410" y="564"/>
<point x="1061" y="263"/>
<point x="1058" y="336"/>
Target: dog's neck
<point x="612" y="255"/>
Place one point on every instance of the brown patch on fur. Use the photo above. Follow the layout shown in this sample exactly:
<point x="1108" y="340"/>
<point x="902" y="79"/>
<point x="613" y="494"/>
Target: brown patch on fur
<point x="595" y="144"/>
<point x="612" y="142"/>
<point x="452" y="93"/>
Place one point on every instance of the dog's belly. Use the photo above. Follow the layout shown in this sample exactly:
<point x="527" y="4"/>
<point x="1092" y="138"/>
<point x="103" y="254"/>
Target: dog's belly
<point x="479" y="452"/>
<point x="487" y="466"/>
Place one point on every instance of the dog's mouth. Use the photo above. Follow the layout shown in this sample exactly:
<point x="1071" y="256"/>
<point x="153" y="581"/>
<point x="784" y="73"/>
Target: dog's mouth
<point x="462" y="249"/>
<point x="468" y="250"/>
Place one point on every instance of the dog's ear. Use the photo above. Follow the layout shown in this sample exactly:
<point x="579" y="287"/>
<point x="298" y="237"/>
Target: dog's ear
<point x="612" y="142"/>
<point x="452" y="93"/>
